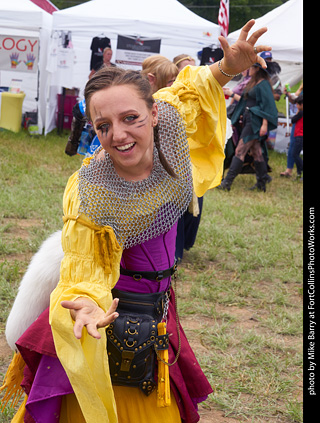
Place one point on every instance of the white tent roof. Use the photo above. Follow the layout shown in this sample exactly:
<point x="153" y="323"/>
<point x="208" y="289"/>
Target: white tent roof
<point x="284" y="33"/>
<point x="22" y="14"/>
<point x="285" y="36"/>
<point x="134" y="16"/>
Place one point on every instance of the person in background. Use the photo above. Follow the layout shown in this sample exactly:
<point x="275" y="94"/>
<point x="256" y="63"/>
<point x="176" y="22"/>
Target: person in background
<point x="290" y="161"/>
<point x="274" y="70"/>
<point x="235" y="95"/>
<point x="189" y="222"/>
<point x="258" y="113"/>
<point x="183" y="60"/>
<point x="297" y="120"/>
<point x="237" y="91"/>
<point x="79" y="120"/>
<point x="107" y="56"/>
<point x="160" y="71"/>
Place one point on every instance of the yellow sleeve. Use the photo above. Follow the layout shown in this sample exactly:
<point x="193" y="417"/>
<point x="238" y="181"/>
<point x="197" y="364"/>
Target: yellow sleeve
<point x="85" y="361"/>
<point x="200" y="100"/>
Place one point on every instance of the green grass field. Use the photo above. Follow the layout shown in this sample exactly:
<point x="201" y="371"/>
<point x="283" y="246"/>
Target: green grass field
<point x="239" y="289"/>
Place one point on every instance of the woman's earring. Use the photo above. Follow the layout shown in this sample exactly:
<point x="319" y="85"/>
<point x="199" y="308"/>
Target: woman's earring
<point x="155" y="120"/>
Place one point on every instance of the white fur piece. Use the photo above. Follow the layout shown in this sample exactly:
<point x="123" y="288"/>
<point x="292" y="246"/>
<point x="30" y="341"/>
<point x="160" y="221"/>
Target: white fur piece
<point x="38" y="282"/>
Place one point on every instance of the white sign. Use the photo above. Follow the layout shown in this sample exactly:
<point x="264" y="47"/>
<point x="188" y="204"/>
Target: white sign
<point x="282" y="136"/>
<point x="19" y="54"/>
<point x="131" y="51"/>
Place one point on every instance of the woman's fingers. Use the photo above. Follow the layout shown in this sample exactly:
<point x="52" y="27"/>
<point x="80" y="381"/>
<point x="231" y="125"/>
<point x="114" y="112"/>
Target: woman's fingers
<point x="113" y="306"/>
<point x="86" y="313"/>
<point x="253" y="37"/>
<point x="110" y="316"/>
<point x="77" y="328"/>
<point x="262" y="48"/>
<point x="93" y="331"/>
<point x="224" y="43"/>
<point x="71" y="305"/>
<point x="256" y="35"/>
<point x="262" y="62"/>
<point x="246" y="29"/>
<point x="107" y="319"/>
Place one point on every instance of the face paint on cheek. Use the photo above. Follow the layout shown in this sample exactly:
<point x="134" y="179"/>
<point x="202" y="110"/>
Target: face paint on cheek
<point x="103" y="129"/>
<point x="142" y="122"/>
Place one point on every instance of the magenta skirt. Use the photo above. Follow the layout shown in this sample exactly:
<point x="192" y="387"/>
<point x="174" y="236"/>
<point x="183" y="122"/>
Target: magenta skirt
<point x="45" y="381"/>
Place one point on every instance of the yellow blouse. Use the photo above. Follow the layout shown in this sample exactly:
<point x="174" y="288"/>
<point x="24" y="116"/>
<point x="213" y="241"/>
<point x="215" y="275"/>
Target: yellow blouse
<point x="199" y="99"/>
<point x="85" y="361"/>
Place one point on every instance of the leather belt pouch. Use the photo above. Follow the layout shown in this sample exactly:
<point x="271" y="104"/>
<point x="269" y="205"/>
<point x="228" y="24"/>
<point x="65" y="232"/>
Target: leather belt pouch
<point x="133" y="337"/>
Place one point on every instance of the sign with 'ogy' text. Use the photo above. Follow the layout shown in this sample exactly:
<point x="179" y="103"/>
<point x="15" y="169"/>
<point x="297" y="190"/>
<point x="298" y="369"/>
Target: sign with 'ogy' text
<point x="19" y="54"/>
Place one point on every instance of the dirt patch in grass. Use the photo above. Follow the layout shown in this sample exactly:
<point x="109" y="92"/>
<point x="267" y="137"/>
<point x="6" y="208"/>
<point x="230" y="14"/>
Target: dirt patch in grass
<point x="239" y="319"/>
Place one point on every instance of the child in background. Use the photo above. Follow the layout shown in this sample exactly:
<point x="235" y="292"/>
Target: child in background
<point x="298" y="134"/>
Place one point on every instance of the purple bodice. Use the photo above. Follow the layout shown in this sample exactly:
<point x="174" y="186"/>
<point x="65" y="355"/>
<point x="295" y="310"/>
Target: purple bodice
<point x="155" y="254"/>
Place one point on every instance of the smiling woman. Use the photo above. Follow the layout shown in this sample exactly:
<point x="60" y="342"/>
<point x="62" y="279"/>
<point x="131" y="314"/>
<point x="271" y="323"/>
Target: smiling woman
<point x="104" y="349"/>
<point x="125" y="117"/>
<point x="124" y="126"/>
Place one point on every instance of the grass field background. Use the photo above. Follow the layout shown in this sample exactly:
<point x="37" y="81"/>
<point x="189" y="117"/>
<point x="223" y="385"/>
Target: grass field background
<point x="239" y="289"/>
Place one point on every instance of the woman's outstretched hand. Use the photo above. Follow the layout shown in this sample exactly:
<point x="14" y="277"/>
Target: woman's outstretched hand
<point x="86" y="313"/>
<point x="240" y="55"/>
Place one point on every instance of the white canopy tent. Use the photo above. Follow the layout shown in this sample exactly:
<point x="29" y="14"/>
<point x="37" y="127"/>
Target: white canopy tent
<point x="179" y="29"/>
<point x="20" y="22"/>
<point x="285" y="36"/>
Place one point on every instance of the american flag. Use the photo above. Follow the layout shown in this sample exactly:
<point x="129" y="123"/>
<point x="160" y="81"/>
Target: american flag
<point x="223" y="18"/>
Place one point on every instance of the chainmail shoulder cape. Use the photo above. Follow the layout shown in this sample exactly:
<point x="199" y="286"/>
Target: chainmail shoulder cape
<point x="141" y="210"/>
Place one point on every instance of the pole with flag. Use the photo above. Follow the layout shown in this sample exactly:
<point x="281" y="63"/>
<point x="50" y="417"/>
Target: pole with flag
<point x="223" y="18"/>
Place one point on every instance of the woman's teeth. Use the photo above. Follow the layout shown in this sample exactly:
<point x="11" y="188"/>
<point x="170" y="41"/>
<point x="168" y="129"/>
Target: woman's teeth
<point x="125" y="147"/>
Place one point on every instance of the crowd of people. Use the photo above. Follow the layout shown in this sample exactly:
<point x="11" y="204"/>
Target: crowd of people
<point x="101" y="350"/>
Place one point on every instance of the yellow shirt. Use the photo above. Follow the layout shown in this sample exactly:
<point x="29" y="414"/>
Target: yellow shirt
<point x="85" y="361"/>
<point x="199" y="99"/>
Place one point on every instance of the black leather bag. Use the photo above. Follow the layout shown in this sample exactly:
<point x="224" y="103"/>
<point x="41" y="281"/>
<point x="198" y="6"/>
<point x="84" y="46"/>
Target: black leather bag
<point x="132" y="339"/>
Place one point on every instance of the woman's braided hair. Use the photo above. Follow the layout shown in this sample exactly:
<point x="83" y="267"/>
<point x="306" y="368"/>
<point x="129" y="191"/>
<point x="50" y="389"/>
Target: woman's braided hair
<point x="115" y="76"/>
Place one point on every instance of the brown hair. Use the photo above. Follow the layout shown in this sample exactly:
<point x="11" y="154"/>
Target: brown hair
<point x="260" y="74"/>
<point x="109" y="77"/>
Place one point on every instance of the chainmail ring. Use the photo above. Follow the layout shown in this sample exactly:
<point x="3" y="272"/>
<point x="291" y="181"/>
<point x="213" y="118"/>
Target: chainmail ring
<point x="140" y="210"/>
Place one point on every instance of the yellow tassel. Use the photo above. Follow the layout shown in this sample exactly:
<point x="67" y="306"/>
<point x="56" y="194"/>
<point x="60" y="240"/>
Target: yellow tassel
<point x="19" y="416"/>
<point x="12" y="382"/>
<point x="163" y="399"/>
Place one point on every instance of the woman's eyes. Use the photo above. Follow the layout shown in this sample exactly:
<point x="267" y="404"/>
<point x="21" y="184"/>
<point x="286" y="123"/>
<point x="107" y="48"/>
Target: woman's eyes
<point x="131" y="118"/>
<point x="104" y="128"/>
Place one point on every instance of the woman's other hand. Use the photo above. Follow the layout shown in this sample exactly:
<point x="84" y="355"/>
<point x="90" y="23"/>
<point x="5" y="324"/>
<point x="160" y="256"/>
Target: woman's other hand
<point x="85" y="312"/>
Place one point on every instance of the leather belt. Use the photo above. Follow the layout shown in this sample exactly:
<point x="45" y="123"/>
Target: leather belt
<point x="156" y="276"/>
